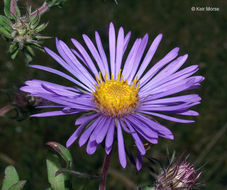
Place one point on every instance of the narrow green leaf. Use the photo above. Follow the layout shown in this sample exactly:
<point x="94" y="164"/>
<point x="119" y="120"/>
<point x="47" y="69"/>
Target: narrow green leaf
<point x="7" y="12"/>
<point x="28" y="57"/>
<point x="53" y="165"/>
<point x="13" y="47"/>
<point x="14" y="54"/>
<point x="30" y="50"/>
<point x="36" y="45"/>
<point x="64" y="152"/>
<point x="43" y="37"/>
<point x="18" y="186"/>
<point x="5" y="22"/>
<point x="5" y="32"/>
<point x="17" y="11"/>
<point x="41" y="27"/>
<point x="35" y="20"/>
<point x="11" y="177"/>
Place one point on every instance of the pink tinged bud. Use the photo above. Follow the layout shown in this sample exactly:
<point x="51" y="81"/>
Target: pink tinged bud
<point x="178" y="176"/>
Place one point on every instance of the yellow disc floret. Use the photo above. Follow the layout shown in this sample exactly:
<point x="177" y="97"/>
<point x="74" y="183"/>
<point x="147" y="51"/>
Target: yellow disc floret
<point x="116" y="97"/>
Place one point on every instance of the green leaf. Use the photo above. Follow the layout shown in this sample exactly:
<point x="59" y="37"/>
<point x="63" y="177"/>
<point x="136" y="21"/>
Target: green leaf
<point x="11" y="9"/>
<point x="13" y="47"/>
<point x="41" y="27"/>
<point x="11" y="177"/>
<point x="5" y="32"/>
<point x="30" y="50"/>
<point x="18" y="186"/>
<point x="28" y="57"/>
<point x="64" y="152"/>
<point x="53" y="165"/>
<point x="35" y="20"/>
<point x="7" y="12"/>
<point x="17" y="11"/>
<point x="14" y="54"/>
<point x="5" y="22"/>
<point x="43" y="37"/>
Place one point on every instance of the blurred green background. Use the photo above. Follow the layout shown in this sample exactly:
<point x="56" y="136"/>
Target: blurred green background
<point x="200" y="34"/>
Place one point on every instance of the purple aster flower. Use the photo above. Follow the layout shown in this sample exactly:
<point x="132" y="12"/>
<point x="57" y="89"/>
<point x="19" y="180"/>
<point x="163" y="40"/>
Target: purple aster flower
<point x="117" y="95"/>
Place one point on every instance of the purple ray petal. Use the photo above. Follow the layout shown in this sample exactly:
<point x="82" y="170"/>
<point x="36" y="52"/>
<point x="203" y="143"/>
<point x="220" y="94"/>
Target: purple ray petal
<point x="125" y="127"/>
<point x="170" y="69"/>
<point x="110" y="136"/>
<point x="173" y="100"/>
<point x="54" y="71"/>
<point x="126" y="41"/>
<point x="166" y="117"/>
<point x="139" y="161"/>
<point x="78" y="55"/>
<point x="91" y="146"/>
<point x="147" y="133"/>
<point x="130" y="59"/>
<point x="119" y="50"/>
<point x="138" y="57"/>
<point x="86" y="119"/>
<point x="162" y="131"/>
<point x="95" y="54"/>
<point x="64" y="64"/>
<point x="136" y="138"/>
<point x="99" y="127"/>
<point x="86" y="134"/>
<point x="149" y="55"/>
<point x="53" y="113"/>
<point x="103" y="131"/>
<point x="77" y="69"/>
<point x="169" y="57"/>
<point x="189" y="112"/>
<point x="74" y="136"/>
<point x="178" y="108"/>
<point x="102" y="53"/>
<point x="108" y="149"/>
<point x="83" y="121"/>
<point x="77" y="102"/>
<point x="174" y="83"/>
<point x="178" y="76"/>
<point x="141" y="127"/>
<point x="86" y="57"/>
<point x="121" y="146"/>
<point x="112" y="47"/>
<point x="185" y="85"/>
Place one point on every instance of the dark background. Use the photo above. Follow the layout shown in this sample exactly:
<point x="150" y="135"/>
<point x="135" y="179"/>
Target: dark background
<point x="200" y="34"/>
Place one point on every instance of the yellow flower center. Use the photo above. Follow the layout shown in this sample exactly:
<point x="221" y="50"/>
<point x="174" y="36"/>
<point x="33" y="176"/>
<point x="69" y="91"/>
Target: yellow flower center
<point x="116" y="97"/>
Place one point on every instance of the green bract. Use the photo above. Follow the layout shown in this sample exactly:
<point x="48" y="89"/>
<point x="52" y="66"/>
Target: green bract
<point x="23" y="32"/>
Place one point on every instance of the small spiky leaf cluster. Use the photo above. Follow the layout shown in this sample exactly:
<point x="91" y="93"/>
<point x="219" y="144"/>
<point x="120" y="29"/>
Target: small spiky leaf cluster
<point x="23" y="32"/>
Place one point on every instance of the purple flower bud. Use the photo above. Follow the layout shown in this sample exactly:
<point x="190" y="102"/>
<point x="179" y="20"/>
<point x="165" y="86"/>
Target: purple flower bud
<point x="179" y="175"/>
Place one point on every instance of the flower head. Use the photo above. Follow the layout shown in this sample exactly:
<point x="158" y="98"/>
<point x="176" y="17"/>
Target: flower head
<point x="179" y="175"/>
<point x="118" y="95"/>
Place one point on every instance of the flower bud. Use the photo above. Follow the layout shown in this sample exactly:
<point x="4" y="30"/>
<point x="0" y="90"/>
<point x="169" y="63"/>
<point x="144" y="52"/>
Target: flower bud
<point x="179" y="175"/>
